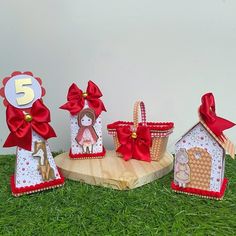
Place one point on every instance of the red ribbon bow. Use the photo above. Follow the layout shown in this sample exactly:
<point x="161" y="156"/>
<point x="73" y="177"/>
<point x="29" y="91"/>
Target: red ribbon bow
<point x="76" y="99"/>
<point x="207" y="112"/>
<point x="21" y="125"/>
<point x="134" y="144"/>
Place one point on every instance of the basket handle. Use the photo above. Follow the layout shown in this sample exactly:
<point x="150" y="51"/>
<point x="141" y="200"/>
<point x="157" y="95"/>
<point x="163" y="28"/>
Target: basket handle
<point x="139" y="106"/>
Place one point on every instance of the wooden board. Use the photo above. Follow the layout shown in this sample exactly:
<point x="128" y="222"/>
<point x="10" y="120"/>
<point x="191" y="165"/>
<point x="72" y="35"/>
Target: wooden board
<point x="113" y="171"/>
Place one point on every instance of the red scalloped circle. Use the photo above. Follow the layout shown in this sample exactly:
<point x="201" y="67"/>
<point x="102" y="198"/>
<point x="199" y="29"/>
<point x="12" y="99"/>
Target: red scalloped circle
<point x="4" y="81"/>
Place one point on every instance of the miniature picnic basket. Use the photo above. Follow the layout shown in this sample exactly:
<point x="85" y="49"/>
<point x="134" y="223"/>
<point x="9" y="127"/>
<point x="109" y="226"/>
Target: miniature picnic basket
<point x="144" y="141"/>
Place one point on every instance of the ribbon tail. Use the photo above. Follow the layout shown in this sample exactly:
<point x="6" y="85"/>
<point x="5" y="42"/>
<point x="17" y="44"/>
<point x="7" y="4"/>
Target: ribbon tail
<point x="219" y="126"/>
<point x="44" y="130"/>
<point x="12" y="140"/>
<point x="97" y="105"/>
<point x="65" y="106"/>
<point x="74" y="107"/>
<point x="125" y="151"/>
<point x="224" y="124"/>
<point x="141" y="152"/>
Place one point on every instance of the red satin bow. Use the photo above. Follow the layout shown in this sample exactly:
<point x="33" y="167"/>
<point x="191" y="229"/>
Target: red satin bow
<point x="76" y="99"/>
<point x="137" y="147"/>
<point x="21" y="130"/>
<point x="207" y="112"/>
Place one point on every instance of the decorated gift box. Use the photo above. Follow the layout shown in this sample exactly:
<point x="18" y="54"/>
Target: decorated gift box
<point x="85" y="121"/>
<point x="145" y="141"/>
<point x="28" y="120"/>
<point x="200" y="154"/>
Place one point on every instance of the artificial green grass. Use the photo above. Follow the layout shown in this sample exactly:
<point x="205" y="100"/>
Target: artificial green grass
<point x="81" y="209"/>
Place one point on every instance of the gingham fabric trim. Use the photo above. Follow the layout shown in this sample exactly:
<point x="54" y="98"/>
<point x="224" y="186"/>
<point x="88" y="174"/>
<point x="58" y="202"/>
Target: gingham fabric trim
<point x="155" y="134"/>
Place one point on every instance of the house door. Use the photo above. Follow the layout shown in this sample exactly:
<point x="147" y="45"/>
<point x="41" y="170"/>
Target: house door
<point x="200" y="168"/>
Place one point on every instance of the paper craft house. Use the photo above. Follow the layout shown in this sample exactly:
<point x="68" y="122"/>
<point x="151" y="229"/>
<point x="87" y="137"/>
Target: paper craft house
<point x="200" y="162"/>
<point x="85" y="121"/>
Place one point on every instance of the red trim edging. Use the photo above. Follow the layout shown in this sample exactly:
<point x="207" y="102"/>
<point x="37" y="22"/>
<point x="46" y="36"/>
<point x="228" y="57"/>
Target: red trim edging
<point x="36" y="188"/>
<point x="160" y="126"/>
<point x="194" y="191"/>
<point x="88" y="155"/>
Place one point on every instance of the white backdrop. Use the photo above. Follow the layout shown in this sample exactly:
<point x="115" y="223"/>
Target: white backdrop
<point x="167" y="53"/>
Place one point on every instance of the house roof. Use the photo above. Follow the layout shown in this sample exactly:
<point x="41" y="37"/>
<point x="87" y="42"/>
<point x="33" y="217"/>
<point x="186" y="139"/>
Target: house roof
<point x="226" y="144"/>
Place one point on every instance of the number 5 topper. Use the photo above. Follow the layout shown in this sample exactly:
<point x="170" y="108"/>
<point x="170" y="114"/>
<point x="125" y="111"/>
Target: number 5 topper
<point x="22" y="93"/>
<point x="20" y="82"/>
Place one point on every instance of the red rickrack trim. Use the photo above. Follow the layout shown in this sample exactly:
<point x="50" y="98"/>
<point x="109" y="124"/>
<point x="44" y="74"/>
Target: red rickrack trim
<point x="200" y="192"/>
<point x="36" y="188"/>
<point x="155" y="126"/>
<point x="88" y="155"/>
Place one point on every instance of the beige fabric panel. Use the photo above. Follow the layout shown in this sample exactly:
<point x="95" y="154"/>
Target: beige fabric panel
<point x="200" y="168"/>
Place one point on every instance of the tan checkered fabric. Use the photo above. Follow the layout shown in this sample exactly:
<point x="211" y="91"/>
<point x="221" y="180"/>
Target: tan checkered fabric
<point x="227" y="144"/>
<point x="200" y="168"/>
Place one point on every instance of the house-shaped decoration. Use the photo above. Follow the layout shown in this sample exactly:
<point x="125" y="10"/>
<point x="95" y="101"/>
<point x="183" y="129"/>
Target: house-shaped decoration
<point x="85" y="121"/>
<point x="200" y="155"/>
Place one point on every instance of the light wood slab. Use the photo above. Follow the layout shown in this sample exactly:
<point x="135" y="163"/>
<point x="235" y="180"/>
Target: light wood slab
<point x="113" y="171"/>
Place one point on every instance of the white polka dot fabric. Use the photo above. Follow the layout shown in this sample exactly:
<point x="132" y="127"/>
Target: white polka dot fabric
<point x="27" y="173"/>
<point x="198" y="136"/>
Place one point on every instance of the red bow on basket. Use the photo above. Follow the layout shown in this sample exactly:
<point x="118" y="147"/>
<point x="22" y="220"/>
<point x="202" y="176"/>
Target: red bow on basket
<point x="76" y="99"/>
<point x="21" y="125"/>
<point x="134" y="144"/>
<point x="207" y="112"/>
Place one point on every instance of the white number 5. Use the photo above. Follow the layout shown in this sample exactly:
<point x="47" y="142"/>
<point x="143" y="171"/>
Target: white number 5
<point x="21" y="87"/>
